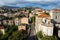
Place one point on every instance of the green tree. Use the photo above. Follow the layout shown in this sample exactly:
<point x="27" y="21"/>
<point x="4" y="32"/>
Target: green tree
<point x="33" y="20"/>
<point x="29" y="11"/>
<point x="9" y="30"/>
<point x="40" y="34"/>
<point x="46" y="13"/>
<point x="1" y="35"/>
<point x="18" y="35"/>
<point x="49" y="38"/>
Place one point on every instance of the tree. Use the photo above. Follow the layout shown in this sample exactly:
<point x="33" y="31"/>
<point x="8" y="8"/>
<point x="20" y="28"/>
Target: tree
<point x="46" y="13"/>
<point x="18" y="35"/>
<point x="9" y="30"/>
<point x="1" y="35"/>
<point x="40" y="34"/>
<point x="33" y="20"/>
<point x="49" y="38"/>
<point x="29" y="11"/>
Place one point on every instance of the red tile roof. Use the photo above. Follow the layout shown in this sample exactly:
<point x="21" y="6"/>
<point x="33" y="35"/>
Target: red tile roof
<point x="43" y="15"/>
<point x="1" y="27"/>
<point x="56" y="10"/>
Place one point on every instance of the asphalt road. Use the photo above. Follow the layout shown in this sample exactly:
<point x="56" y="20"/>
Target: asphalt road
<point x="32" y="35"/>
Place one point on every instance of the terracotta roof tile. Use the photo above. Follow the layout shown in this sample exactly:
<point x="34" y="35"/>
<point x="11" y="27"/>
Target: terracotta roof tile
<point x="43" y="15"/>
<point x="56" y="10"/>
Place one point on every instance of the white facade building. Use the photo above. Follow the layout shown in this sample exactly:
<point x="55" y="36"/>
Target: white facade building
<point x="55" y="15"/>
<point x="43" y="23"/>
<point x="47" y="29"/>
<point x="24" y="20"/>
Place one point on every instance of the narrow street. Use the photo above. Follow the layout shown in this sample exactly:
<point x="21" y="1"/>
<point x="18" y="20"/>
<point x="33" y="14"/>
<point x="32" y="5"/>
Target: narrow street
<point x="32" y="35"/>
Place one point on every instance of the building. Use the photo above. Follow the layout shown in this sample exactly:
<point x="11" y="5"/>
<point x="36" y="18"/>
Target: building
<point x="4" y="22"/>
<point x="58" y="30"/>
<point x="31" y="15"/>
<point x="8" y="22"/>
<point x="2" y="29"/>
<point x="42" y="18"/>
<point x="6" y="14"/>
<point x="55" y="15"/>
<point x="37" y="11"/>
<point x="24" y="20"/>
<point x="43" y="23"/>
<point x="1" y="21"/>
<point x="16" y="21"/>
<point x="59" y="33"/>
<point x="22" y="27"/>
<point x="47" y="29"/>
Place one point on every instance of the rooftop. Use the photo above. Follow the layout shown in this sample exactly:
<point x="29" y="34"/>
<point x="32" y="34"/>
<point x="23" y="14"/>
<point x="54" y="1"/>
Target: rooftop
<point x="43" y="15"/>
<point x="1" y="27"/>
<point x="56" y="10"/>
<point x="39" y="10"/>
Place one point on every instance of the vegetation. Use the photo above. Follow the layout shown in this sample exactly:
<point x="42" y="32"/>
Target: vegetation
<point x="49" y="38"/>
<point x="21" y="15"/>
<point x="35" y="14"/>
<point x="12" y="33"/>
<point x="29" y="11"/>
<point x="27" y="27"/>
<point x="33" y="20"/>
<point x="8" y="18"/>
<point x="40" y="36"/>
<point x="1" y="35"/>
<point x="18" y="35"/>
<point x="46" y="13"/>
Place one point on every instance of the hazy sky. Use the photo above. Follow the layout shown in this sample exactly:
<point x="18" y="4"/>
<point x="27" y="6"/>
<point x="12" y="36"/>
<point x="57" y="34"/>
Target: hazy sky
<point x="46" y="4"/>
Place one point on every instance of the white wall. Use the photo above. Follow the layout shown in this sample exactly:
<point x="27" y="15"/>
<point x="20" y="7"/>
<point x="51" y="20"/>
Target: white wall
<point x="54" y="14"/>
<point x="47" y="30"/>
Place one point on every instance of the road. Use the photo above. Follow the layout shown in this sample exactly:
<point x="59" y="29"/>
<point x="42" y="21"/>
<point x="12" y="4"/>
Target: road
<point x="32" y="35"/>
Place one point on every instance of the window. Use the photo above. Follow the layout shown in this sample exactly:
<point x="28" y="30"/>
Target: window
<point x="45" y="20"/>
<point x="56" y="17"/>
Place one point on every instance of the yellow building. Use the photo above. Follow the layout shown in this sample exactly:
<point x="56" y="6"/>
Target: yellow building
<point x="24" y="20"/>
<point x="22" y="27"/>
<point x="2" y="29"/>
